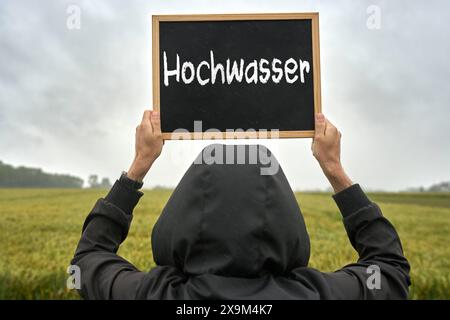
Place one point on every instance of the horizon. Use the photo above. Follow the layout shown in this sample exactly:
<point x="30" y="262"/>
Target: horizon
<point x="411" y="189"/>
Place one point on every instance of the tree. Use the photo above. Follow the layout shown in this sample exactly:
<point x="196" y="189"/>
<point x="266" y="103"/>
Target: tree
<point x="93" y="181"/>
<point x="105" y="183"/>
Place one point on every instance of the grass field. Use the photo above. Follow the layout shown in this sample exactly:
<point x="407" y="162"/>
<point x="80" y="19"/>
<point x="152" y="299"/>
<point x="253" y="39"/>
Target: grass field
<point x="39" y="229"/>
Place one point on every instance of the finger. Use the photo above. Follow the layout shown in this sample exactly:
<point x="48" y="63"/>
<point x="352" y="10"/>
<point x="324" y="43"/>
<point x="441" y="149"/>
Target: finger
<point x="156" y="122"/>
<point x="320" y="125"/>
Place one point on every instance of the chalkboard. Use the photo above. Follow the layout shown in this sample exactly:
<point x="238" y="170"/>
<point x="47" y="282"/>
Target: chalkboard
<point x="240" y="74"/>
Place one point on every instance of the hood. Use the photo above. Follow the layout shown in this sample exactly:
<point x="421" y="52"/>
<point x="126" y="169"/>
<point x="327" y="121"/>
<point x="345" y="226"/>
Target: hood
<point x="228" y="217"/>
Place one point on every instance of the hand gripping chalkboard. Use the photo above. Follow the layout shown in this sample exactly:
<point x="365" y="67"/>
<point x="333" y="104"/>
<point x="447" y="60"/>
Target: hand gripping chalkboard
<point x="236" y="75"/>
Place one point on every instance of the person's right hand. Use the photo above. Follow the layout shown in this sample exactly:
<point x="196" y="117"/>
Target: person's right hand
<point x="326" y="148"/>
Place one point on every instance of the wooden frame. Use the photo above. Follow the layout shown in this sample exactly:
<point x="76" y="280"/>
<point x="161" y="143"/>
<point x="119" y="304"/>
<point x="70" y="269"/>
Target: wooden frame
<point x="313" y="16"/>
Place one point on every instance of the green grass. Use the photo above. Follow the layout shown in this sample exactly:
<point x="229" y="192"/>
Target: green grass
<point x="39" y="229"/>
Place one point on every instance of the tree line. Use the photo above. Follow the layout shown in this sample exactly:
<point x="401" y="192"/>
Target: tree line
<point x="437" y="187"/>
<point x="25" y="177"/>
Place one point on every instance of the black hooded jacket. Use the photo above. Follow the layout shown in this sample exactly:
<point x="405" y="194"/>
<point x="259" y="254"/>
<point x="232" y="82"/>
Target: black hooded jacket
<point x="230" y="232"/>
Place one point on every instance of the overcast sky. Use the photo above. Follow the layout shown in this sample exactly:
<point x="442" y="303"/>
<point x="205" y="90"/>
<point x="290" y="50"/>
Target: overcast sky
<point x="70" y="99"/>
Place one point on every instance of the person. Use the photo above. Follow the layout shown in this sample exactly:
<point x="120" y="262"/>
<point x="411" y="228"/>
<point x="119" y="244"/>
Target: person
<point x="229" y="232"/>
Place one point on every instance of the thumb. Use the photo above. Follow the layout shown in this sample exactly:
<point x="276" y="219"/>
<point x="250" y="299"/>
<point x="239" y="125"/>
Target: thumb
<point x="156" y="122"/>
<point x="320" y="125"/>
<point x="145" y="116"/>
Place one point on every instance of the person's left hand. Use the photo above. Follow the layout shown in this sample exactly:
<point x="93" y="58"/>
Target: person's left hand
<point x="148" y="145"/>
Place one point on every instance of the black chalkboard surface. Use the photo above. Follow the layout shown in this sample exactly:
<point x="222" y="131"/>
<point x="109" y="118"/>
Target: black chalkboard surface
<point x="231" y="73"/>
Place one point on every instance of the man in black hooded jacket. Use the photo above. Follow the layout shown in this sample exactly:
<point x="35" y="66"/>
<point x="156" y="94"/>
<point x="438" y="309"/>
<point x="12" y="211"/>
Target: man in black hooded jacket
<point x="230" y="232"/>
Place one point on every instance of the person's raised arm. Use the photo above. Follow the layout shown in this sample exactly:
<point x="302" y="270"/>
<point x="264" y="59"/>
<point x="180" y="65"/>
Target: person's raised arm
<point x="382" y="271"/>
<point x="105" y="275"/>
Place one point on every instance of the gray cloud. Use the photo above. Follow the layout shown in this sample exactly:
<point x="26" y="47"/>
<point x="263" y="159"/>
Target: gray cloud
<point x="70" y="99"/>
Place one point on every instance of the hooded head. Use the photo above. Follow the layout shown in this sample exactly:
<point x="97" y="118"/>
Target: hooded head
<point x="231" y="216"/>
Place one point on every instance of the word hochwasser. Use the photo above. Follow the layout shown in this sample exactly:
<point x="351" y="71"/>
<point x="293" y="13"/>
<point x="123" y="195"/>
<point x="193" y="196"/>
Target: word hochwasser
<point x="255" y="71"/>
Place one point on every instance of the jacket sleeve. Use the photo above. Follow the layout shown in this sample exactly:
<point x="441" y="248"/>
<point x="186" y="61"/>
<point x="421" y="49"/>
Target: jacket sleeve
<point x="380" y="255"/>
<point x="105" y="275"/>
